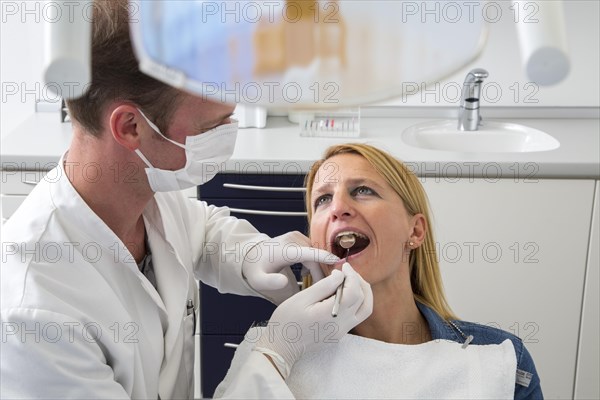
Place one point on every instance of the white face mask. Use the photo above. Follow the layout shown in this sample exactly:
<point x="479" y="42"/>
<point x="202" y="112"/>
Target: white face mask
<point x="204" y="154"/>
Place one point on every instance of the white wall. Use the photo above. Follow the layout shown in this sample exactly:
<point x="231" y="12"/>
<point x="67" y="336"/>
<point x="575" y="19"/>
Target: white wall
<point x="21" y="60"/>
<point x="502" y="59"/>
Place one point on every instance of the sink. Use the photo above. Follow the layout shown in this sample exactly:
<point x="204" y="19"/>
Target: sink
<point x="492" y="137"/>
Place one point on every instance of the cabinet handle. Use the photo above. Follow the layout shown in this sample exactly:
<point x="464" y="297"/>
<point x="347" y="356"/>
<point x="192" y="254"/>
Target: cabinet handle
<point x="231" y="345"/>
<point x="271" y="213"/>
<point x="264" y="188"/>
<point x="32" y="183"/>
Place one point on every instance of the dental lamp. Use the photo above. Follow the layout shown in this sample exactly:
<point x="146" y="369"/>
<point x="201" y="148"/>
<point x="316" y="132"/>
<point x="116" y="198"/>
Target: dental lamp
<point x="300" y="54"/>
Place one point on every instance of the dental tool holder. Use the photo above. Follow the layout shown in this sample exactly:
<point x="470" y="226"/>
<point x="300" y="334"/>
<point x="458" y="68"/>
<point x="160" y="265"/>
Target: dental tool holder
<point x="337" y="124"/>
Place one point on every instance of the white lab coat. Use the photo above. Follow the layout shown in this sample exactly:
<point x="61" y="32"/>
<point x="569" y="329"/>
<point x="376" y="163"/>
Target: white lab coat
<point x="79" y="320"/>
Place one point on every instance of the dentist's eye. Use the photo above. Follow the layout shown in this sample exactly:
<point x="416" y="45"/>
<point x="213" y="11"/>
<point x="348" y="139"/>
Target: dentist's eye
<point x="321" y="200"/>
<point x="204" y="130"/>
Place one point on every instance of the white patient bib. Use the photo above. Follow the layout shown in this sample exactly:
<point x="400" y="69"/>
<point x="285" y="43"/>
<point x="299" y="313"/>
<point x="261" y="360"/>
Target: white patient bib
<point x="361" y="368"/>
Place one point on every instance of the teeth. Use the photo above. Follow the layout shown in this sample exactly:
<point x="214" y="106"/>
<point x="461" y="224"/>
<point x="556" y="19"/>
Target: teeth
<point x="339" y="235"/>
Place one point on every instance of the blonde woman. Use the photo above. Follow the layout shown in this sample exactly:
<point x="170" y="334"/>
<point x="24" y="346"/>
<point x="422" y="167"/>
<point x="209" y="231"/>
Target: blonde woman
<point x="412" y="345"/>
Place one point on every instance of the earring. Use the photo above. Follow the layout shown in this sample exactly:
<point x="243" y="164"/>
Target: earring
<point x="411" y="244"/>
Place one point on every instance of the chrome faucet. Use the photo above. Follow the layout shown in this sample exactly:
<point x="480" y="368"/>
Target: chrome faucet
<point x="468" y="113"/>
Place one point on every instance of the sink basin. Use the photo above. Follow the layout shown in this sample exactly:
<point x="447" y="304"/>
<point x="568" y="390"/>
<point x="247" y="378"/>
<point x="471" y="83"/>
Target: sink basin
<point x="492" y="137"/>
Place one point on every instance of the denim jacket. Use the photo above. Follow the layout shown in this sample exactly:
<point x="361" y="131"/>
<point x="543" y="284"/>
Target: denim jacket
<point x="528" y="381"/>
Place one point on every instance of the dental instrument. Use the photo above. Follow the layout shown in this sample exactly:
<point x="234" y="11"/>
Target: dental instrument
<point x="346" y="241"/>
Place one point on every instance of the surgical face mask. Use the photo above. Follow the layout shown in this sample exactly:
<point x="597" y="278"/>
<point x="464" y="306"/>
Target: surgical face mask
<point x="204" y="154"/>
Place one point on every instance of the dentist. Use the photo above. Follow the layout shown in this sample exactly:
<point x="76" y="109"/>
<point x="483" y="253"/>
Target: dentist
<point x="98" y="290"/>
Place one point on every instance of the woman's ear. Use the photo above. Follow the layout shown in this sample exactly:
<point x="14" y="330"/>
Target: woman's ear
<point x="125" y="126"/>
<point x="419" y="230"/>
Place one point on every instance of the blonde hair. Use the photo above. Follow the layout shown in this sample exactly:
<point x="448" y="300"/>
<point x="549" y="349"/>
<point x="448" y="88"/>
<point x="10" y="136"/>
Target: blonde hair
<point x="425" y="274"/>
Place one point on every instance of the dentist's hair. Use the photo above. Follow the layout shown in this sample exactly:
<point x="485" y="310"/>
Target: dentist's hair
<point x="116" y="75"/>
<point x="425" y="274"/>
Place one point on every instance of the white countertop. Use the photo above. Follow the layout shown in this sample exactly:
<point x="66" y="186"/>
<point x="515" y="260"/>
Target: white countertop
<point x="39" y="142"/>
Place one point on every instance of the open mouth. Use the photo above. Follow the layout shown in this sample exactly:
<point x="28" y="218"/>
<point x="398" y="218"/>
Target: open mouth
<point x="360" y="243"/>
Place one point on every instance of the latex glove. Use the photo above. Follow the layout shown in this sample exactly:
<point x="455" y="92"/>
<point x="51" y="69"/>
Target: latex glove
<point x="266" y="266"/>
<point x="304" y="321"/>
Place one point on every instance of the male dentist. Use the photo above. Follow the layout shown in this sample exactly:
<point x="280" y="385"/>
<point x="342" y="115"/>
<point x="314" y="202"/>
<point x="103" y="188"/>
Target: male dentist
<point x="98" y="291"/>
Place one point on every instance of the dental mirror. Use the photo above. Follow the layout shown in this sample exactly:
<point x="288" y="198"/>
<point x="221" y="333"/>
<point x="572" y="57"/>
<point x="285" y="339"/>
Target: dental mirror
<point x="345" y="241"/>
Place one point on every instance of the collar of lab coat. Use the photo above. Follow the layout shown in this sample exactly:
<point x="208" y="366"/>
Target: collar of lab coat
<point x="89" y="227"/>
<point x="173" y="279"/>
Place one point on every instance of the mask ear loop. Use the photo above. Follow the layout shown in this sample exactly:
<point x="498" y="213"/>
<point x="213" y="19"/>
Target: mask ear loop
<point x="144" y="159"/>
<point x="155" y="128"/>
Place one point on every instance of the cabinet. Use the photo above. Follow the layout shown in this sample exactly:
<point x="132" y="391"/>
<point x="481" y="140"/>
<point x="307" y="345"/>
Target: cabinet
<point x="587" y="385"/>
<point x="17" y="183"/>
<point x="513" y="255"/>
<point x="274" y="204"/>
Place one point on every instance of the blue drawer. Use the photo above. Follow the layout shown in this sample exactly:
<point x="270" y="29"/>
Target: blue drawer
<point x="253" y="186"/>
<point x="227" y="317"/>
<point x="272" y="225"/>
<point x="229" y="314"/>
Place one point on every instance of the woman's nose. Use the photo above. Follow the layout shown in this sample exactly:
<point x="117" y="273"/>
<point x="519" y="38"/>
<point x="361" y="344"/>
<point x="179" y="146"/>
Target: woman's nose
<point x="341" y="207"/>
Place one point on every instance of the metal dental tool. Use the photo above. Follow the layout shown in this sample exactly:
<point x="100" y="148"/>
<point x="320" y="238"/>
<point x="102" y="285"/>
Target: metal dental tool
<point x="346" y="241"/>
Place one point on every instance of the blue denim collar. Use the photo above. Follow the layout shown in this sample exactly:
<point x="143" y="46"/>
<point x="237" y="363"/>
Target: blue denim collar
<point x="439" y="328"/>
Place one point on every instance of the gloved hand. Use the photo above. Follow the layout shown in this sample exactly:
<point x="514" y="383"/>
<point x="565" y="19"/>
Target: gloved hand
<point x="266" y="266"/>
<point x="305" y="320"/>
